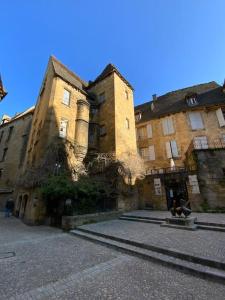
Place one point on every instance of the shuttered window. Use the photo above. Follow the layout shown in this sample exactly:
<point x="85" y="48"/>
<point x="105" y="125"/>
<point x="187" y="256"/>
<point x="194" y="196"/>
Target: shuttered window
<point x="144" y="153"/>
<point x="167" y="124"/>
<point x="141" y="133"/>
<point x="196" y="120"/>
<point x="151" y="150"/>
<point x="149" y="131"/>
<point x="66" y="97"/>
<point x="201" y="142"/>
<point x="63" y="128"/>
<point x="220" y="117"/>
<point x="171" y="149"/>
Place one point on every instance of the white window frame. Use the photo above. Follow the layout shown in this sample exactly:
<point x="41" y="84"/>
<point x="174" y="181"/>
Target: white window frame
<point x="220" y="117"/>
<point x="62" y="129"/>
<point x="196" y="120"/>
<point x="149" y="131"/>
<point x="141" y="133"/>
<point x="172" y="149"/>
<point x="167" y="125"/>
<point x="66" y="97"/>
<point x="151" y="152"/>
<point x="201" y="142"/>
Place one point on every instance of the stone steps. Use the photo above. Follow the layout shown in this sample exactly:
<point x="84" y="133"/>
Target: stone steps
<point x="199" y="266"/>
<point x="144" y="220"/>
<point x="200" y="225"/>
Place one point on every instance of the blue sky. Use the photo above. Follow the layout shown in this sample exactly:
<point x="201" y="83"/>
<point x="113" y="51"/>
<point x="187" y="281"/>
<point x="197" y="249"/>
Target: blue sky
<point x="159" y="46"/>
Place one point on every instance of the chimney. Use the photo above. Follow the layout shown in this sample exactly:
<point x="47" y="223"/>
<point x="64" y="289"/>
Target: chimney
<point x="154" y="97"/>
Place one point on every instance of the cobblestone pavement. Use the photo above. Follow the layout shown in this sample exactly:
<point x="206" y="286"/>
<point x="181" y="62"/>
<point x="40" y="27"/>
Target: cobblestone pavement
<point x="44" y="263"/>
<point x="202" y="217"/>
<point x="200" y="242"/>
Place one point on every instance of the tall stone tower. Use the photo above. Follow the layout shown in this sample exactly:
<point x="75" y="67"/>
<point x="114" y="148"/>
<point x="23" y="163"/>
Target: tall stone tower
<point x="115" y="112"/>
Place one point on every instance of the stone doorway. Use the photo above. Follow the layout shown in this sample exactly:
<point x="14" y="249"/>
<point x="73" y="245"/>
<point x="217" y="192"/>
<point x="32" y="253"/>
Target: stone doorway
<point x="175" y="188"/>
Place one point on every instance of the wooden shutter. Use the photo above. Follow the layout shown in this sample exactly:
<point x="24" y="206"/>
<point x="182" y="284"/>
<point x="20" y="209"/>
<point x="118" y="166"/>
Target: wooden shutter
<point x="151" y="150"/>
<point x="174" y="149"/>
<point x="165" y="127"/>
<point x="220" y="117"/>
<point x="149" y="131"/>
<point x="196" y="120"/>
<point x="170" y="125"/>
<point x="168" y="150"/>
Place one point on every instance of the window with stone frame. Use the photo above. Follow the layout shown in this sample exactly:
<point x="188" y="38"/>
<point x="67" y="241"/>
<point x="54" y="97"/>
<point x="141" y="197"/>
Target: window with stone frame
<point x="66" y="97"/>
<point x="167" y="124"/>
<point x="63" y="128"/>
<point x="196" y="121"/>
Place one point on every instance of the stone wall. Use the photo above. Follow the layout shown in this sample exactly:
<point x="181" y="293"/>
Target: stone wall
<point x="211" y="176"/>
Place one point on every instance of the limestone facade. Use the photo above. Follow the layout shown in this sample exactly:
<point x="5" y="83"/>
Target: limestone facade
<point x="166" y="130"/>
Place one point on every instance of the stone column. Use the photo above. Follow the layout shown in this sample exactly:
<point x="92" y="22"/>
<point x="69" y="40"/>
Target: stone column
<point x="82" y="122"/>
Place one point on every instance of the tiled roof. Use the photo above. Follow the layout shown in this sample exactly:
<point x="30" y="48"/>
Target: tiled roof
<point x="207" y="94"/>
<point x="63" y="72"/>
<point x="109" y="69"/>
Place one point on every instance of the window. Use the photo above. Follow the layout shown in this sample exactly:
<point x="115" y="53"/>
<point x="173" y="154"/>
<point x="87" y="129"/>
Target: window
<point x="192" y="101"/>
<point x="10" y="133"/>
<point x="1" y="136"/>
<point x="148" y="153"/>
<point x="66" y="97"/>
<point x="200" y="142"/>
<point x="138" y="116"/>
<point x="171" y="149"/>
<point x="63" y="128"/>
<point x="126" y="95"/>
<point x="4" y="154"/>
<point x="151" y="150"/>
<point x="102" y="130"/>
<point x="221" y="117"/>
<point x="149" y="131"/>
<point x="141" y="133"/>
<point x="167" y="124"/>
<point x="196" y="120"/>
<point x="1" y="172"/>
<point x="101" y="97"/>
<point x="144" y="153"/>
<point x="127" y="123"/>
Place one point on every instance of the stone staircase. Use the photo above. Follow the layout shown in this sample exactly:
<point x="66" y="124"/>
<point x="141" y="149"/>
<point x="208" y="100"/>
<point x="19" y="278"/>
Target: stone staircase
<point x="200" y="266"/>
<point x="200" y="225"/>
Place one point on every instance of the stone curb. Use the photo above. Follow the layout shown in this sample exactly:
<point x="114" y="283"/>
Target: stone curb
<point x="166" y="251"/>
<point x="201" y="225"/>
<point x="165" y="260"/>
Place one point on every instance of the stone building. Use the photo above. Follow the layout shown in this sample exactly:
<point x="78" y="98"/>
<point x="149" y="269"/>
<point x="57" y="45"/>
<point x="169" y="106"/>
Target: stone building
<point x="169" y="128"/>
<point x="14" y="134"/>
<point x="78" y="117"/>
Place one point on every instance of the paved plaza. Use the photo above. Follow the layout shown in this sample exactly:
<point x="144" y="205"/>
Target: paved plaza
<point x="41" y="262"/>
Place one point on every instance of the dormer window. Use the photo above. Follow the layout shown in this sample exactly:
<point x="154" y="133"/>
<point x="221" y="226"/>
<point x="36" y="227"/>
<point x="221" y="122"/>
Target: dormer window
<point x="191" y="99"/>
<point x="138" y="116"/>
